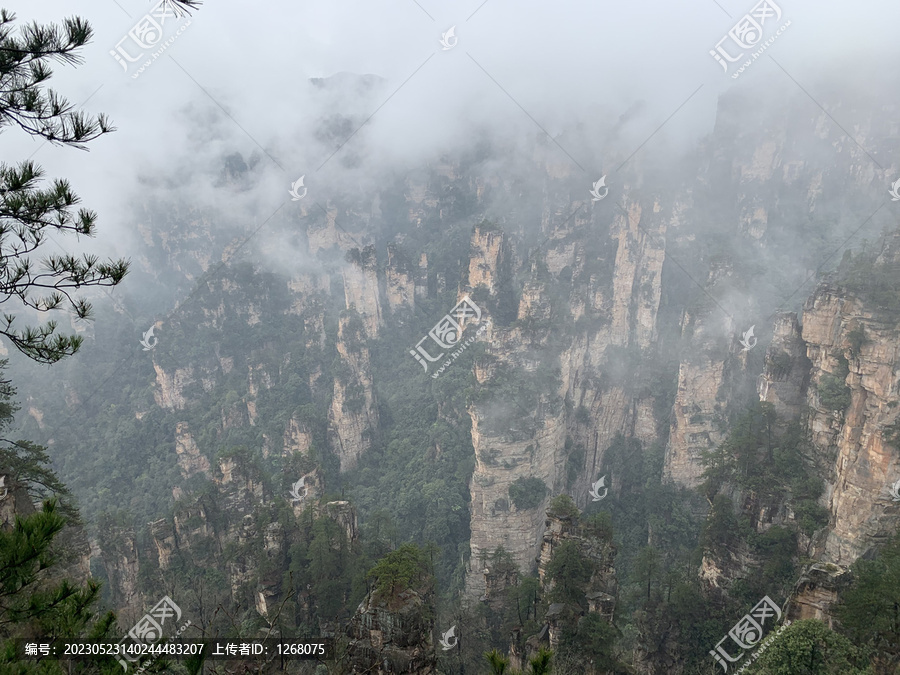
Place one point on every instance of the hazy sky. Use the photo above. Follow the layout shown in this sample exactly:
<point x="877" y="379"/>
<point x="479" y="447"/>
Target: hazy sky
<point x="518" y="67"/>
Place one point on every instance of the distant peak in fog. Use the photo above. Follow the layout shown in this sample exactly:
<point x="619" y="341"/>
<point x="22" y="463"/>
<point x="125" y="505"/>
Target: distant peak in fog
<point x="344" y="81"/>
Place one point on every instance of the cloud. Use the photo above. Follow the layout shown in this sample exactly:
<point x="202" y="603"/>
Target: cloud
<point x="607" y="81"/>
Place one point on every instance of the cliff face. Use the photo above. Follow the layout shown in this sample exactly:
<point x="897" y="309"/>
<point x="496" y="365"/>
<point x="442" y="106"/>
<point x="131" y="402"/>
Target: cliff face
<point x="119" y="553"/>
<point x="403" y="283"/>
<point x="815" y="593"/>
<point x="353" y="417"/>
<point x="640" y="236"/>
<point x="784" y="381"/>
<point x="392" y="638"/>
<point x="190" y="460"/>
<point x="362" y="290"/>
<point x="495" y="520"/>
<point x="297" y="438"/>
<point x="485" y="259"/>
<point x="232" y="528"/>
<point x="710" y="375"/>
<point x="170" y="387"/>
<point x="840" y="371"/>
<point x="602" y="588"/>
<point x="620" y="316"/>
<point x="600" y="592"/>
<point x="613" y="302"/>
<point x="840" y="329"/>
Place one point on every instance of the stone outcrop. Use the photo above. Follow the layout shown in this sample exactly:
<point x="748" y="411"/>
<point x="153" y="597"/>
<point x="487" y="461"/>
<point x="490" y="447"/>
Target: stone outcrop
<point x="239" y="504"/>
<point x="698" y="419"/>
<point x="344" y="514"/>
<point x="392" y="637"/>
<point x="169" y="392"/>
<point x="297" y="438"/>
<point x="637" y="280"/>
<point x="486" y="257"/>
<point x="120" y="558"/>
<point x="495" y="520"/>
<point x="602" y="587"/>
<point x="839" y="328"/>
<point x="190" y="460"/>
<point x="361" y="288"/>
<point x="816" y="591"/>
<point x="623" y="304"/>
<point x="784" y="381"/>
<point x="600" y="591"/>
<point x="401" y="280"/>
<point x="163" y="535"/>
<point x="353" y="417"/>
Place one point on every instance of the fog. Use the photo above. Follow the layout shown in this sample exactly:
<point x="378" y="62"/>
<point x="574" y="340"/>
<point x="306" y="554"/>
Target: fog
<point x="636" y="80"/>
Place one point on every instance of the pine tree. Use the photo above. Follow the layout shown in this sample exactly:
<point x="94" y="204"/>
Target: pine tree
<point x="32" y="609"/>
<point x="809" y="647"/>
<point x="28" y="212"/>
<point x="539" y="665"/>
<point x="497" y="661"/>
<point x="869" y="610"/>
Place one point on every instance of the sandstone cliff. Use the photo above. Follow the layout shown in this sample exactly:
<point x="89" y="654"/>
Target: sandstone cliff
<point x="353" y="417"/>
<point x="392" y="637"/>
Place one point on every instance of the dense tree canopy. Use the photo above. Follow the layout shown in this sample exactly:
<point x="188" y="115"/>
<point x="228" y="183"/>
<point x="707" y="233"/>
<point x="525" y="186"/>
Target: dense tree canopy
<point x="808" y="647"/>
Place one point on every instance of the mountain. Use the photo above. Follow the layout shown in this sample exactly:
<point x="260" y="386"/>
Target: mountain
<point x="563" y="339"/>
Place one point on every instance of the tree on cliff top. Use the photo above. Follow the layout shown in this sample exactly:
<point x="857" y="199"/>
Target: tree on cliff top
<point x="406" y="568"/>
